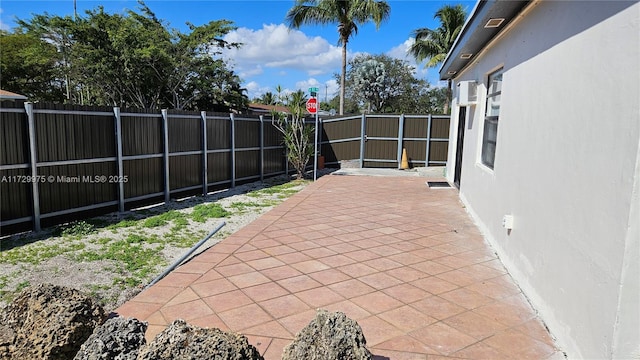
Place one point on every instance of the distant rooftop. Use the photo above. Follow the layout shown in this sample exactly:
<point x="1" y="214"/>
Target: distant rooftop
<point x="8" y="95"/>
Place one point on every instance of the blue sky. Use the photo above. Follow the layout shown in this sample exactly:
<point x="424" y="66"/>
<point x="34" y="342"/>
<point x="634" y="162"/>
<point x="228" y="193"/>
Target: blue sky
<point x="272" y="54"/>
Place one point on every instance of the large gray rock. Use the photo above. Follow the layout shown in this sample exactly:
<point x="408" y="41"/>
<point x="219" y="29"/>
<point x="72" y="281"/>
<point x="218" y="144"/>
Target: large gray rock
<point x="329" y="336"/>
<point x="183" y="341"/>
<point x="117" y="339"/>
<point x="48" y="322"/>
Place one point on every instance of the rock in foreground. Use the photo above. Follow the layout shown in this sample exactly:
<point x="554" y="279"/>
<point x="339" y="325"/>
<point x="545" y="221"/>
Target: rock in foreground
<point x="329" y="336"/>
<point x="183" y="341"/>
<point x="48" y="322"/>
<point x="116" y="339"/>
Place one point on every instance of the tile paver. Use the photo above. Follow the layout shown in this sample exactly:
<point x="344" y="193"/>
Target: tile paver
<point x="403" y="260"/>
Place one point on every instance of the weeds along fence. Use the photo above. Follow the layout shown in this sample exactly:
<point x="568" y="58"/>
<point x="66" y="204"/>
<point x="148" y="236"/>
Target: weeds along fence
<point x="64" y="162"/>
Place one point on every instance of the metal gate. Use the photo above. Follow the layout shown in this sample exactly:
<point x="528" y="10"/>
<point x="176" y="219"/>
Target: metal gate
<point x="378" y="140"/>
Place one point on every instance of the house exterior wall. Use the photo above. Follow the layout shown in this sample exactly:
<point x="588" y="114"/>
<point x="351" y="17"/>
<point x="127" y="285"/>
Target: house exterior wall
<point x="566" y="167"/>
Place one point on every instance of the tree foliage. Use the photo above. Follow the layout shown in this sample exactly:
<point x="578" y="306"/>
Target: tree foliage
<point x="135" y="60"/>
<point x="28" y="67"/>
<point x="347" y="14"/>
<point x="379" y="83"/>
<point x="433" y="45"/>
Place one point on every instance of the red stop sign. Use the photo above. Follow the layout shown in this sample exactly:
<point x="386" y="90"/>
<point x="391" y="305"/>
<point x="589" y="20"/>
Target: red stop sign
<point x="312" y="106"/>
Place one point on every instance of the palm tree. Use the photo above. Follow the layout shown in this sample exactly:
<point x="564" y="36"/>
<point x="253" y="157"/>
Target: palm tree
<point x="348" y="14"/>
<point x="434" y="45"/>
<point x="267" y="98"/>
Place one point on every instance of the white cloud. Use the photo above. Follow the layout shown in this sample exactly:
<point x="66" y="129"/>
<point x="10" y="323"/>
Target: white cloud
<point x="3" y="25"/>
<point x="277" y="46"/>
<point x="400" y="52"/>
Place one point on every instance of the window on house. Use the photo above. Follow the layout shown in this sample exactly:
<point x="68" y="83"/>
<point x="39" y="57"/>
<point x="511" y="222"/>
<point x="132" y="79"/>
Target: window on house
<point x="492" y="114"/>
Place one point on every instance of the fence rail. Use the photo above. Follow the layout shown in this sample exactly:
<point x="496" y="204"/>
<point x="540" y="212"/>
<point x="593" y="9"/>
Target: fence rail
<point x="62" y="162"/>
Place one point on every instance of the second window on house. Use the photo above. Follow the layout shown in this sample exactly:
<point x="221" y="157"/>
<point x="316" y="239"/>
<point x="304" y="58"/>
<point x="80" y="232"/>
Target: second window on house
<point x="492" y="114"/>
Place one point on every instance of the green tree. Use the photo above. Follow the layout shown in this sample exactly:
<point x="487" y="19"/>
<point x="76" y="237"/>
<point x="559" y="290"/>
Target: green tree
<point x="380" y="83"/>
<point x="369" y="81"/>
<point x="28" y="67"/>
<point x="347" y="14"/>
<point x="433" y="45"/>
<point x="297" y="137"/>
<point x="267" y="98"/>
<point x="134" y="59"/>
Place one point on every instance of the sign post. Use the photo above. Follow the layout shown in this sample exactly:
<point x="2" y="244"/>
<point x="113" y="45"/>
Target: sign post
<point x="312" y="108"/>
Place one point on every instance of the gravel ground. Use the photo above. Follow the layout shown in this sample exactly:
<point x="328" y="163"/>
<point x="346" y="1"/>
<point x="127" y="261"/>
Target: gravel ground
<point x="82" y="256"/>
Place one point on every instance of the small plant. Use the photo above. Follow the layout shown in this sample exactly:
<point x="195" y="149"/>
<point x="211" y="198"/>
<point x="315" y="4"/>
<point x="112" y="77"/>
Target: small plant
<point x="129" y="222"/>
<point x="202" y="212"/>
<point x="297" y="137"/>
<point x="154" y="221"/>
<point x="78" y="228"/>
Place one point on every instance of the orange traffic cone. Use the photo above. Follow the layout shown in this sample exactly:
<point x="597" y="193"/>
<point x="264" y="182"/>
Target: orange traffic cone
<point x="404" y="165"/>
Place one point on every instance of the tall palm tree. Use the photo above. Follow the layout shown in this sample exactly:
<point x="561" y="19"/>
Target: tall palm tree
<point x="434" y="45"/>
<point x="348" y="14"/>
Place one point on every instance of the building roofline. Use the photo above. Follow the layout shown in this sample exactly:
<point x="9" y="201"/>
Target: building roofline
<point x="477" y="33"/>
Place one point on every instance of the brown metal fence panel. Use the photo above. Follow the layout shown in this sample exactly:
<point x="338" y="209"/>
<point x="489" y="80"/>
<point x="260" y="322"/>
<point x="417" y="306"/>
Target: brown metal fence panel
<point x="416" y="127"/>
<point x="14" y="194"/>
<point x="438" y="151"/>
<point x="336" y="152"/>
<point x="272" y="137"/>
<point x="141" y="135"/>
<point x="140" y="181"/>
<point x="14" y="148"/>
<point x="76" y="185"/>
<point x="382" y="126"/>
<point x="440" y="128"/>
<point x="73" y="136"/>
<point x="185" y="171"/>
<point x="247" y="133"/>
<point x="274" y="161"/>
<point x="218" y="133"/>
<point x="185" y="133"/>
<point x="343" y="129"/>
<point x="219" y="167"/>
<point x="341" y="139"/>
<point x="247" y="164"/>
<point x="416" y="152"/>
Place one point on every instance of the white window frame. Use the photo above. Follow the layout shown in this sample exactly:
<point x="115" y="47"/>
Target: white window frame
<point x="489" y="138"/>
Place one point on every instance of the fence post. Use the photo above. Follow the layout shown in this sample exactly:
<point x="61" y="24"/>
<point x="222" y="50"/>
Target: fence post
<point x="118" y="121"/>
<point x="28" y="107"/>
<point x="426" y="160"/>
<point x="205" y="169"/>
<point x="233" y="150"/>
<point x="261" y="148"/>
<point x="320" y="140"/>
<point x="400" y="138"/>
<point x="362" y="139"/>
<point x="165" y="130"/>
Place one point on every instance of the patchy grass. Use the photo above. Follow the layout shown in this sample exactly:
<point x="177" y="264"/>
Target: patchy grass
<point x="136" y="257"/>
<point x="202" y="212"/>
<point x="38" y="252"/>
<point x="126" y="252"/>
<point x="242" y="206"/>
<point x="128" y="222"/>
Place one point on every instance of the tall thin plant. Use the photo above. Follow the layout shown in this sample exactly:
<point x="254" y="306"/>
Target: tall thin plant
<point x="297" y="137"/>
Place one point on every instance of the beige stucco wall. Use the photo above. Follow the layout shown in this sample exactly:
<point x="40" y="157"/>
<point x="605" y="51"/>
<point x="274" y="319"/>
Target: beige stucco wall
<point x="567" y="168"/>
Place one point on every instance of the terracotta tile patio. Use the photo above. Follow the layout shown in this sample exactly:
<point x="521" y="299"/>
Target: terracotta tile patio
<point x="403" y="260"/>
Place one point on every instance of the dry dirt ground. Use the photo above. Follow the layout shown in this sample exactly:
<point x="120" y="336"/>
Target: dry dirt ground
<point x="113" y="257"/>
